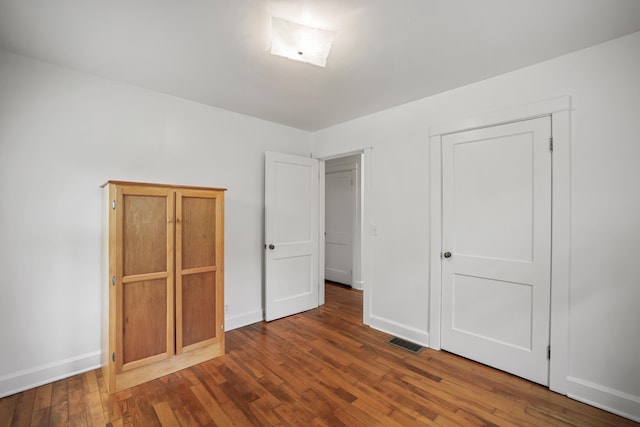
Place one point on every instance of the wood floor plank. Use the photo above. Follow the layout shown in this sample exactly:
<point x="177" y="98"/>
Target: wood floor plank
<point x="130" y="413"/>
<point x="143" y="402"/>
<point x="212" y="407"/>
<point x="43" y="397"/>
<point x="296" y="415"/>
<point x="7" y="410"/>
<point x="59" y="415"/>
<point x="185" y="405"/>
<point x="323" y="368"/>
<point x="264" y="411"/>
<point x="165" y="415"/>
<point x="366" y="397"/>
<point x="24" y="408"/>
<point x="40" y="417"/>
<point x="242" y="374"/>
<point x="110" y="408"/>
<point x="95" y="412"/>
<point x="77" y="409"/>
<point x="321" y="405"/>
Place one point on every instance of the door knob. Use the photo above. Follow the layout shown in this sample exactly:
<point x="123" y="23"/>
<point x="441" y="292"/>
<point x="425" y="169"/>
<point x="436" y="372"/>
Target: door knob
<point x="447" y="254"/>
<point x="271" y="246"/>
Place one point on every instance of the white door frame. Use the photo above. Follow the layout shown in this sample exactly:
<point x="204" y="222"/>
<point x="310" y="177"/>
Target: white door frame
<point x="560" y="111"/>
<point x="364" y="226"/>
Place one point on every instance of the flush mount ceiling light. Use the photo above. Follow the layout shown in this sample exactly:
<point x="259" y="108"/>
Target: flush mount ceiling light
<point x="300" y="43"/>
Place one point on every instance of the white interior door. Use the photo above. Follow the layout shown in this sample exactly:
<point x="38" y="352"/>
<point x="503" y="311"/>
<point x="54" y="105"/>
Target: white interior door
<point x="339" y="219"/>
<point x="496" y="246"/>
<point x="291" y="234"/>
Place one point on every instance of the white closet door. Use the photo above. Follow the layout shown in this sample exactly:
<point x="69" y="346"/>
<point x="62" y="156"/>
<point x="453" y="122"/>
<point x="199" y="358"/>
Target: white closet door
<point x="497" y="246"/>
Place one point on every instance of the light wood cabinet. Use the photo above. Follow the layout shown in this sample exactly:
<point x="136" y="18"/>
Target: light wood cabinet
<point x="163" y="300"/>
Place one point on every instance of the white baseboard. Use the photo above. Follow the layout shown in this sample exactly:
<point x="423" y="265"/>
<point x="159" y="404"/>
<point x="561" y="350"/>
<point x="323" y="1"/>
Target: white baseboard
<point x="401" y="331"/>
<point x="35" y="377"/>
<point x="358" y="284"/>
<point x="235" y="322"/>
<point x="615" y="401"/>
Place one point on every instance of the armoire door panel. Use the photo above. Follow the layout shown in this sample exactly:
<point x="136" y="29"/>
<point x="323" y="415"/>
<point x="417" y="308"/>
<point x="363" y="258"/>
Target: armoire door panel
<point x="197" y="274"/>
<point x="198" y="297"/>
<point x="144" y="319"/>
<point x="144" y="221"/>
<point x="197" y="219"/>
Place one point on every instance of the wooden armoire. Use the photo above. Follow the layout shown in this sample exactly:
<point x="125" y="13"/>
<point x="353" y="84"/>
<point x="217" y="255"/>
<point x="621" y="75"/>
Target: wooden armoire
<point x="163" y="291"/>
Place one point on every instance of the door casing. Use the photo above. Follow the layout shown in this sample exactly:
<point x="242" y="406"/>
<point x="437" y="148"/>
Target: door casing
<point x="560" y="111"/>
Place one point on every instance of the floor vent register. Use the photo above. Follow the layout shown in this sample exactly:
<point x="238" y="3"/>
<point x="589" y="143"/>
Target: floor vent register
<point x="406" y="345"/>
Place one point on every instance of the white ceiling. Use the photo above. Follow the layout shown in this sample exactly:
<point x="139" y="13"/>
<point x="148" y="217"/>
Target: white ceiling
<point x="386" y="52"/>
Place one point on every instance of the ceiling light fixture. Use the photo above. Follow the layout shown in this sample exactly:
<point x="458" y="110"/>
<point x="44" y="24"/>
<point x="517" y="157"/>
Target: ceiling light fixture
<point x="300" y="43"/>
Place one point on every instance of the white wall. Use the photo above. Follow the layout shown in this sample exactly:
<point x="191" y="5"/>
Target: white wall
<point x="398" y="299"/>
<point x="62" y="135"/>
<point x="604" y="85"/>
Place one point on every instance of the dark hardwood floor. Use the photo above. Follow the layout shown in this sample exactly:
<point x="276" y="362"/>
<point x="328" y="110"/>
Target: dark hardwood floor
<point x="319" y="368"/>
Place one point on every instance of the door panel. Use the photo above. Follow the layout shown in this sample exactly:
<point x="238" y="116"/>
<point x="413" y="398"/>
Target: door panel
<point x="493" y="201"/>
<point x="145" y="234"/>
<point x="145" y="319"/>
<point x="199" y="320"/>
<point x="497" y="226"/>
<point x="477" y="299"/>
<point x="293" y="196"/>
<point x="291" y="234"/>
<point x="294" y="276"/>
<point x="198" y="232"/>
<point x="144" y="277"/>
<point x="339" y="213"/>
<point x="199" y="305"/>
